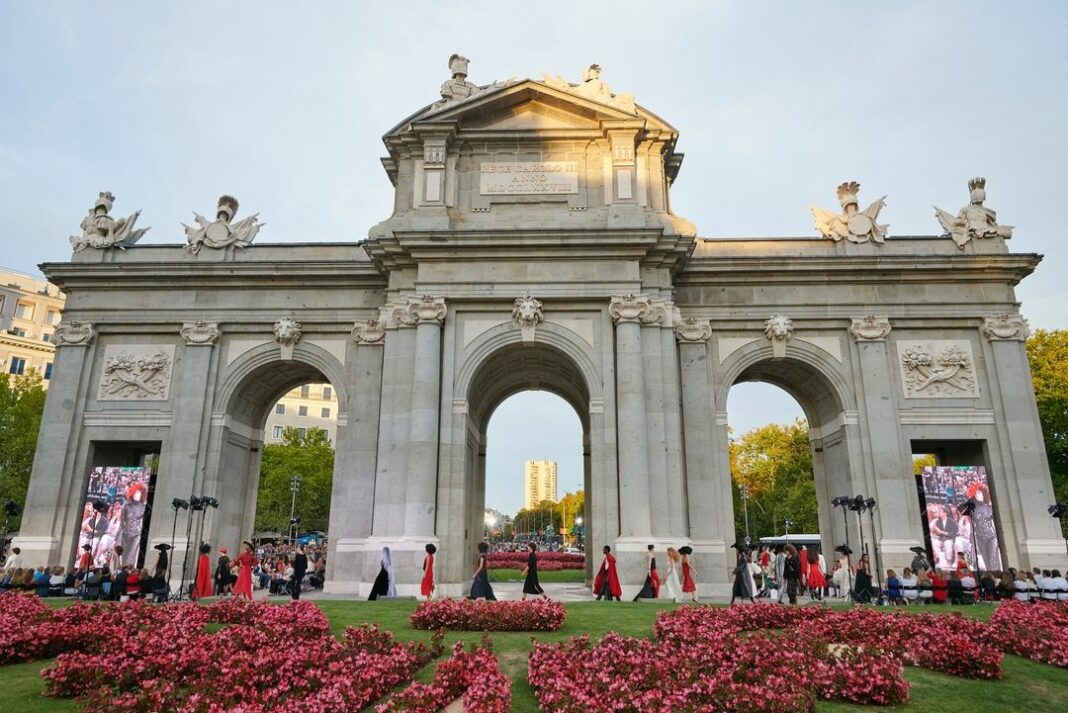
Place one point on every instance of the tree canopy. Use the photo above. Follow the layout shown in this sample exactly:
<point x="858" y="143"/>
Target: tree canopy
<point x="22" y="401"/>
<point x="774" y="464"/>
<point x="310" y="456"/>
<point x="1047" y="352"/>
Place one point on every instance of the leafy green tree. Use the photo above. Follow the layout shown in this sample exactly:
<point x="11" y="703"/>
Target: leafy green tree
<point x="1047" y="351"/>
<point x="546" y="517"/>
<point x="22" y="401"/>
<point x="309" y="456"/>
<point x="774" y="464"/>
<point x="919" y="462"/>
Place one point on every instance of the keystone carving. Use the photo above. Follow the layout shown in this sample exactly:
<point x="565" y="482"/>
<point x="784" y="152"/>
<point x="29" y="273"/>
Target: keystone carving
<point x="694" y="331"/>
<point x="527" y="314"/>
<point x="778" y="328"/>
<point x="870" y="328"/>
<point x="629" y="308"/>
<point x="73" y="334"/>
<point x="1006" y="327"/>
<point x="371" y="332"/>
<point x="200" y="333"/>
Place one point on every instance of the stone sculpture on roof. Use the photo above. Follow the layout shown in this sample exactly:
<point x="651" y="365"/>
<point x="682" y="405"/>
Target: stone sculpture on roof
<point x="592" y="88"/>
<point x="101" y="231"/>
<point x="974" y="220"/>
<point x="853" y="225"/>
<point x="458" y="89"/>
<point x="222" y="233"/>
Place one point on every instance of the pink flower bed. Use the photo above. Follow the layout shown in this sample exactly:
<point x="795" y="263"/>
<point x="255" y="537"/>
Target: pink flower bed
<point x="140" y="658"/>
<point x="779" y="659"/>
<point x="547" y="561"/>
<point x="470" y="615"/>
<point x="1038" y="631"/>
<point x="471" y="676"/>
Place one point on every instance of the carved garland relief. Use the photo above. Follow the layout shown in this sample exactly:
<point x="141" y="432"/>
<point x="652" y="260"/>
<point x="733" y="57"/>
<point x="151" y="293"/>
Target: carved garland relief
<point x="136" y="373"/>
<point x="938" y="369"/>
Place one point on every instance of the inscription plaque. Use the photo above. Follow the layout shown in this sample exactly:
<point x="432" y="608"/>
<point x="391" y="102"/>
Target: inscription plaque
<point x="528" y="178"/>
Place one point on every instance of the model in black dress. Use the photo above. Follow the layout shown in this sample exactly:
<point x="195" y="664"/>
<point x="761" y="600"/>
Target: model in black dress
<point x="531" y="584"/>
<point x="480" y="586"/>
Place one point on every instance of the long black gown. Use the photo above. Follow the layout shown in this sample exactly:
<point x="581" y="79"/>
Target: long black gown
<point x="531" y="584"/>
<point x="480" y="587"/>
<point x="381" y="586"/>
<point x="647" y="591"/>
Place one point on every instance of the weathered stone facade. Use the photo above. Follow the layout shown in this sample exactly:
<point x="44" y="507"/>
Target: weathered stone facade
<point x="527" y="193"/>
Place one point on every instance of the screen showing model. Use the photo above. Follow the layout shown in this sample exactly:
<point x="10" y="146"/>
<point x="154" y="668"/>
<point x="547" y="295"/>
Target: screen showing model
<point x="115" y="513"/>
<point x="945" y="489"/>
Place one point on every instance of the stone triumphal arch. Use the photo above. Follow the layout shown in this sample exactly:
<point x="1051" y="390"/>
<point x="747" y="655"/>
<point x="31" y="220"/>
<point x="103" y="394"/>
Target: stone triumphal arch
<point x="532" y="245"/>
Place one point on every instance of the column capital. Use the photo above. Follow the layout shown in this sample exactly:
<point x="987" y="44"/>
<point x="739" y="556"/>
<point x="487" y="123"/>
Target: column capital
<point x="73" y="334"/>
<point x="870" y="328"/>
<point x="426" y="309"/>
<point x="370" y="332"/>
<point x="694" y="331"/>
<point x="200" y="333"/>
<point x="1006" y="328"/>
<point x="629" y="308"/>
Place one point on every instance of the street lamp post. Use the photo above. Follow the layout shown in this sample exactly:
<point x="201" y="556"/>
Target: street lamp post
<point x="294" y="487"/>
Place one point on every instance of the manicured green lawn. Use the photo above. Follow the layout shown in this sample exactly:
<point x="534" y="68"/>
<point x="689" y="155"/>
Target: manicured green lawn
<point x="1027" y="686"/>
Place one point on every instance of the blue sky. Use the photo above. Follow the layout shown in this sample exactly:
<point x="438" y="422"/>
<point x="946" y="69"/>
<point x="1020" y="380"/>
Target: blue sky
<point x="170" y="104"/>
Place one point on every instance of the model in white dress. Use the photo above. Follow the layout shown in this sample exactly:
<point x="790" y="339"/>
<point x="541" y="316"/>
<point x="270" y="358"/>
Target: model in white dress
<point x="671" y="588"/>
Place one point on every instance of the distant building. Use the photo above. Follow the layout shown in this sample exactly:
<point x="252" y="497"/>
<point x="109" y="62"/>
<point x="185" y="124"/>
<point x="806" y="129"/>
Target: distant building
<point x="30" y="308"/>
<point x="306" y="407"/>
<point x="539" y="476"/>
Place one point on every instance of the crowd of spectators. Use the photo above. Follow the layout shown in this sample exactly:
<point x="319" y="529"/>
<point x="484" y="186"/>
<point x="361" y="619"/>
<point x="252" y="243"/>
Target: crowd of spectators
<point x="275" y="568"/>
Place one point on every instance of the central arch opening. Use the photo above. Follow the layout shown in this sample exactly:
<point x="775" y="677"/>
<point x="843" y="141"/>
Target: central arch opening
<point x="528" y="403"/>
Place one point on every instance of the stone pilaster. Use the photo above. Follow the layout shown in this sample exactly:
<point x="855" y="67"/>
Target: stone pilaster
<point x="51" y="516"/>
<point x="653" y="377"/>
<point x="428" y="313"/>
<point x="1037" y="536"/>
<point x="634" y="493"/>
<point x="889" y="456"/>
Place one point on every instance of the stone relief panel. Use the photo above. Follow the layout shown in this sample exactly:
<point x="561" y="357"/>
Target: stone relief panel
<point x="136" y="372"/>
<point x="938" y="369"/>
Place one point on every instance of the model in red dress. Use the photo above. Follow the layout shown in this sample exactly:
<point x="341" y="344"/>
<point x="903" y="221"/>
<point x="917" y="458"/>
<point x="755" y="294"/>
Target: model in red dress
<point x="426" y="587"/>
<point x="202" y="584"/>
<point x="246" y="561"/>
<point x="688" y="584"/>
<point x="803" y="557"/>
<point x="817" y="580"/>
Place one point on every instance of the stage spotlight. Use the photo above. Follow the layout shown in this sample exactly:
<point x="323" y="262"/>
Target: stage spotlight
<point x="840" y="501"/>
<point x="209" y="502"/>
<point x="179" y="504"/>
<point x="1058" y="509"/>
<point x="12" y="509"/>
<point x="857" y="503"/>
<point x="870" y="503"/>
<point x="967" y="507"/>
<point x="196" y="503"/>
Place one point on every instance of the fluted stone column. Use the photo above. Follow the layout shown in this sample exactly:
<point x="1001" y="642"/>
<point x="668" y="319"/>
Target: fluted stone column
<point x="429" y="313"/>
<point x="627" y="312"/>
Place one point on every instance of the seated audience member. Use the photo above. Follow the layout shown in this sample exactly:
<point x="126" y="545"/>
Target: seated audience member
<point x="55" y="582"/>
<point x="924" y="586"/>
<point x="5" y="580"/>
<point x="93" y="584"/>
<point x="908" y="586"/>
<point x="893" y="587"/>
<point x="40" y="581"/>
<point x="27" y="581"/>
<point x="133" y="583"/>
<point x="967" y="585"/>
<point x="1023" y="587"/>
<point x="1046" y="586"/>
<point x="1007" y="585"/>
<point x="118" y="586"/>
<point x="105" y="583"/>
<point x="988" y="587"/>
<point x="954" y="589"/>
<point x="70" y="584"/>
<point x="940" y="586"/>
<point x="1058" y="585"/>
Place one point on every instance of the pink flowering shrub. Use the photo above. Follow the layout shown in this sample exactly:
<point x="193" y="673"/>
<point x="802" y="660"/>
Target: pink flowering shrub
<point x="547" y="561"/>
<point x="145" y="658"/>
<point x="472" y="615"/>
<point x="473" y="676"/>
<point x="1038" y="631"/>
